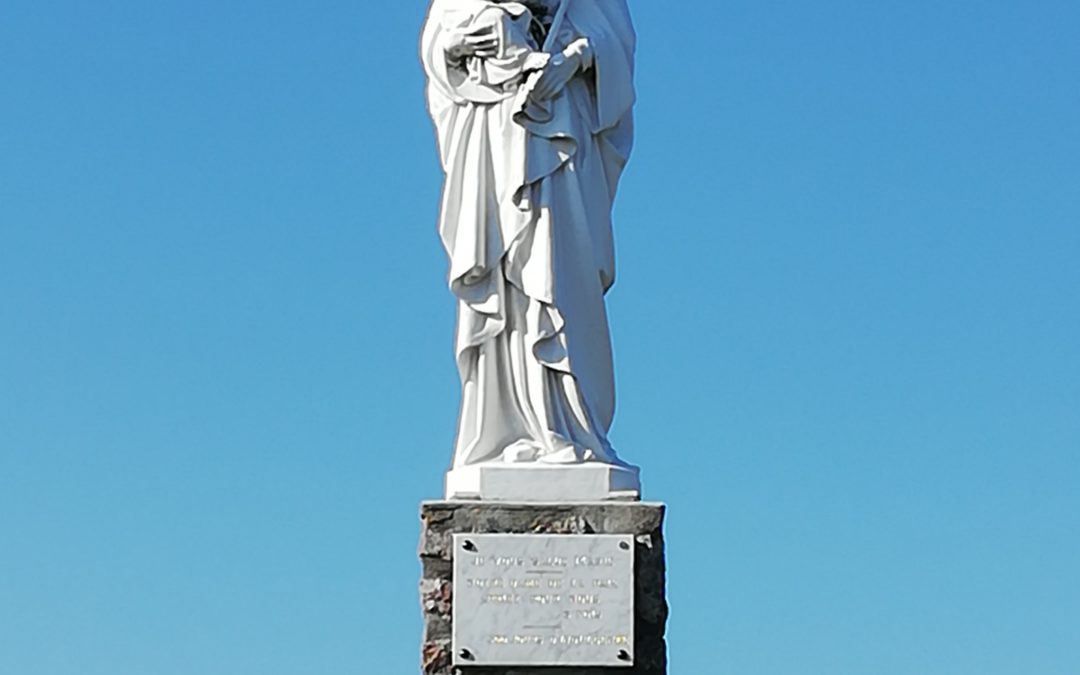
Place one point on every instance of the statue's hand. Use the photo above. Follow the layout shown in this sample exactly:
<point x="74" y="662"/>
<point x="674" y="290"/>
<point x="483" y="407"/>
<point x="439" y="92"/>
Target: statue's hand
<point x="483" y="43"/>
<point x="562" y="68"/>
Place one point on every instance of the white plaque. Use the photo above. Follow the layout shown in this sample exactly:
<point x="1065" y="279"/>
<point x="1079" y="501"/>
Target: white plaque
<point x="543" y="600"/>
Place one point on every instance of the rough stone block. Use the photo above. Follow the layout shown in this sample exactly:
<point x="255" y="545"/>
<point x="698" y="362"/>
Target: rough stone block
<point x="441" y="520"/>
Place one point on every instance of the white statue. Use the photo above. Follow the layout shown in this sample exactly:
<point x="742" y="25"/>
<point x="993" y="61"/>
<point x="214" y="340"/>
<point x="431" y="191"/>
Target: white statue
<point x="532" y="106"/>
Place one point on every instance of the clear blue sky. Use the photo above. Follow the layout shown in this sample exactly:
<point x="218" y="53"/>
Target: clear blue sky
<point x="847" y="334"/>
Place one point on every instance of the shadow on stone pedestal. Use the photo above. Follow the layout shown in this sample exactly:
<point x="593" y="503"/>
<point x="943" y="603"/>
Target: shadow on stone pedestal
<point x="442" y="520"/>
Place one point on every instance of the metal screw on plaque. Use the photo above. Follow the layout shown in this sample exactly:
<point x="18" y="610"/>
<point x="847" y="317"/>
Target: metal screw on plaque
<point x="624" y="546"/>
<point x="624" y="655"/>
<point x="468" y="545"/>
<point x="467" y="655"/>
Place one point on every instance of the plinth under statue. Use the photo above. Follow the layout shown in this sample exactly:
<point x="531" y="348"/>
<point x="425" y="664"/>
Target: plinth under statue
<point x="542" y="541"/>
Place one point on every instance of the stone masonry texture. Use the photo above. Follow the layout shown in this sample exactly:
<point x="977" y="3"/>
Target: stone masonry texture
<point x="442" y="520"/>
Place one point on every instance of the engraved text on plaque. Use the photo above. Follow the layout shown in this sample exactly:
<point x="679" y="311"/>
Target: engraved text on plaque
<point x="543" y="600"/>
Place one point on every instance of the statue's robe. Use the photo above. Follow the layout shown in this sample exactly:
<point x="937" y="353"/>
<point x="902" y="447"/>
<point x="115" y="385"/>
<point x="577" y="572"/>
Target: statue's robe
<point x="526" y="222"/>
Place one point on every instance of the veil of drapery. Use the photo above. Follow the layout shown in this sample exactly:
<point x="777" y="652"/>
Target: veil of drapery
<point x="499" y="148"/>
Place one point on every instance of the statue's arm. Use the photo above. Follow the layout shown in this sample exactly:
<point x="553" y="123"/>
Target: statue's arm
<point x="576" y="58"/>
<point x="581" y="50"/>
<point x="458" y="45"/>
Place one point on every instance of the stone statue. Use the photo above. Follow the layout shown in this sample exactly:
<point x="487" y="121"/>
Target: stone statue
<point x="532" y="103"/>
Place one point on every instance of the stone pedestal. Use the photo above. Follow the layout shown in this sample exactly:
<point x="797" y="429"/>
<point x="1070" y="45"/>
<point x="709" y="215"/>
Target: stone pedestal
<point x="642" y="521"/>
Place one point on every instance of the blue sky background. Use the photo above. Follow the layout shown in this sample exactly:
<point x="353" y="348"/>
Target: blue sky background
<point x="847" y="333"/>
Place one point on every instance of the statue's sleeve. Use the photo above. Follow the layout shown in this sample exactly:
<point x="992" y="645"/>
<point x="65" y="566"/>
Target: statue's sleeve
<point x="610" y="31"/>
<point x="611" y="36"/>
<point x="440" y="94"/>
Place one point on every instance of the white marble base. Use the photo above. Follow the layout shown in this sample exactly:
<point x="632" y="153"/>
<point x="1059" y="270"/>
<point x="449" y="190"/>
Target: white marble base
<point x="536" y="482"/>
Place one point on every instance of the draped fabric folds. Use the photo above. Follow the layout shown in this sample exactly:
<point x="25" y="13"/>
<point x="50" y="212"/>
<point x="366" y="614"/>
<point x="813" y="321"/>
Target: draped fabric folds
<point x="526" y="223"/>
